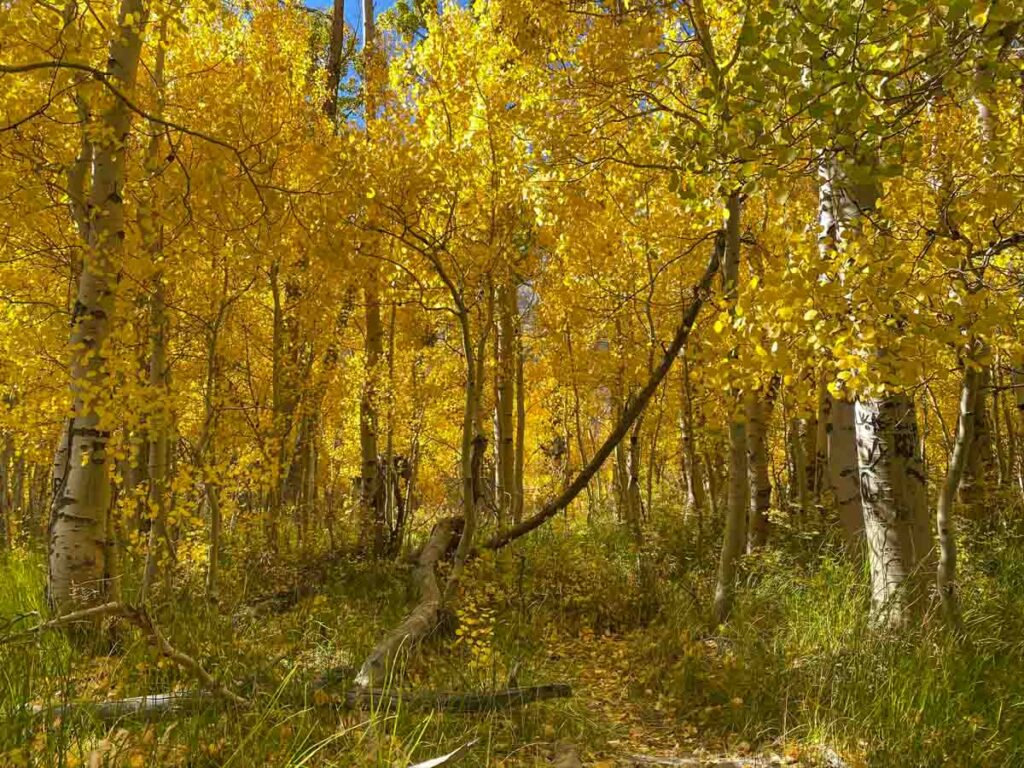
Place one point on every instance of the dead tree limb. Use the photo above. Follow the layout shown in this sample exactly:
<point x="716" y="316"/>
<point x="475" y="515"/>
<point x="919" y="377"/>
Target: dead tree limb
<point x="157" y="705"/>
<point x="423" y="617"/>
<point x="140" y="618"/>
<point x="147" y="707"/>
<point x="456" y="701"/>
<point x="75" y="617"/>
<point x="700" y="294"/>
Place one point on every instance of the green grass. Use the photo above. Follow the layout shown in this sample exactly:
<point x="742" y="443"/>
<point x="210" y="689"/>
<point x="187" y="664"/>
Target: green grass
<point x="796" y="665"/>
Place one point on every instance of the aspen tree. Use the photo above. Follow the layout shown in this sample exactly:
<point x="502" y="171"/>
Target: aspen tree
<point x="82" y="489"/>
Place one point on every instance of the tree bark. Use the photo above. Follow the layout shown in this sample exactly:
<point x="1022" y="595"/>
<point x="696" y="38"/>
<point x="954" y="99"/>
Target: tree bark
<point x="468" y="450"/>
<point x="371" y="488"/>
<point x="77" y="552"/>
<point x="945" y="575"/>
<point x="335" y="48"/>
<point x="737" y="502"/>
<point x="819" y="475"/>
<point x="979" y="465"/>
<point x="505" y="370"/>
<point x="892" y="487"/>
<point x="695" y="498"/>
<point x="843" y="472"/>
<point x="759" y="410"/>
<point x="519" y="489"/>
<point x="159" y="437"/>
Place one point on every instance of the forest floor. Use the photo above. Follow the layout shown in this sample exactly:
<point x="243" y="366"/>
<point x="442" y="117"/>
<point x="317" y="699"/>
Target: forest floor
<point x="795" y="678"/>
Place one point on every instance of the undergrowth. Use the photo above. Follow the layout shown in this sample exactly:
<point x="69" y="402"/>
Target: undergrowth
<point x="796" y="666"/>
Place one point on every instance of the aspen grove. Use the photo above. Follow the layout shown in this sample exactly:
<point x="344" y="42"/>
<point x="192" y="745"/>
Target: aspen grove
<point x="512" y="382"/>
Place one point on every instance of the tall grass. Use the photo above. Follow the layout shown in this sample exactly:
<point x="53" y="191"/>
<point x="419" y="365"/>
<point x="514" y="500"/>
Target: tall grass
<point x="796" y="664"/>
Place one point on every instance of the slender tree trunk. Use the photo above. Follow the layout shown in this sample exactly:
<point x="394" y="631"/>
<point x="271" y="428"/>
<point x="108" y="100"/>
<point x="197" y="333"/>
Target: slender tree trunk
<point x="654" y="467"/>
<point x="979" y="466"/>
<point x="759" y="410"/>
<point x="390" y="478"/>
<point x="159" y="438"/>
<point x="335" y="49"/>
<point x="206" y="453"/>
<point x="371" y="488"/>
<point x="820" y="462"/>
<point x="505" y="370"/>
<point x="371" y="496"/>
<point x="6" y="517"/>
<point x="999" y="446"/>
<point x="945" y="575"/>
<point x="634" y="501"/>
<point x="519" y="493"/>
<point x="273" y="511"/>
<point x="737" y="504"/>
<point x="799" y="478"/>
<point x="695" y="500"/>
<point x="843" y="472"/>
<point x="581" y="443"/>
<point x="78" y="533"/>
<point x="1012" y="449"/>
<point x="619" y="405"/>
<point x="469" y="423"/>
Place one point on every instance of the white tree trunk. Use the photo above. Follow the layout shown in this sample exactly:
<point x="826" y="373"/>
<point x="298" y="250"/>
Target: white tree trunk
<point x="892" y="487"/>
<point x="945" y="575"/>
<point x="843" y="472"/>
<point x="736" y="505"/>
<point x="759" y="410"/>
<point x="979" y="464"/>
<point x="78" y="534"/>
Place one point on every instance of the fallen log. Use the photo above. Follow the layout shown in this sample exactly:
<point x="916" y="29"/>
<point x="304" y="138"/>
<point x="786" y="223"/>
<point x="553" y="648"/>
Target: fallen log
<point x="157" y="705"/>
<point x="455" y="701"/>
<point x="152" y="706"/>
<point x="422" y="618"/>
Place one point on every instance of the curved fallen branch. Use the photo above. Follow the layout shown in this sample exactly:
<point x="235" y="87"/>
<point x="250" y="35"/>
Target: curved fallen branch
<point x="456" y="701"/>
<point x="423" y="617"/>
<point x="700" y="294"/>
